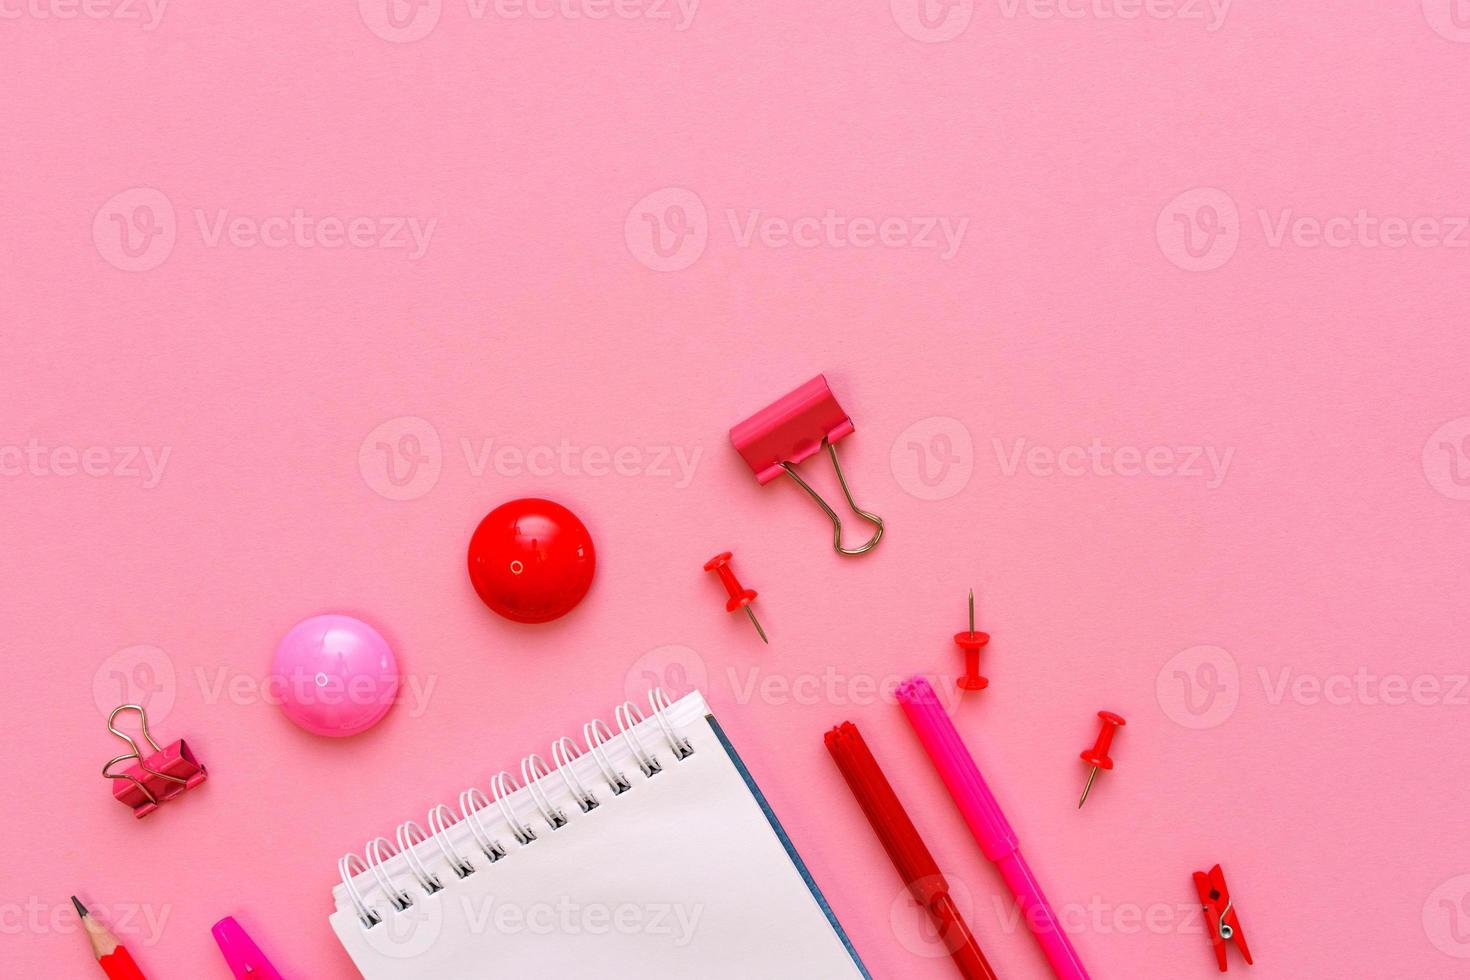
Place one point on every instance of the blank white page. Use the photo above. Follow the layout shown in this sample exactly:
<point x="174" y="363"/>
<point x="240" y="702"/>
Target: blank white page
<point x="683" y="875"/>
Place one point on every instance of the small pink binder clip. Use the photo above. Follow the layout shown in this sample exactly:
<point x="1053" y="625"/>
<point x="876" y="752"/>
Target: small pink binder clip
<point x="149" y="783"/>
<point x="794" y="428"/>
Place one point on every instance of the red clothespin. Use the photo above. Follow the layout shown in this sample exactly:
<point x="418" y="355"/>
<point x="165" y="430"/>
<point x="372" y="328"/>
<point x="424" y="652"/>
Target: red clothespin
<point x="794" y="428"/>
<point x="149" y="783"/>
<point x="1220" y="917"/>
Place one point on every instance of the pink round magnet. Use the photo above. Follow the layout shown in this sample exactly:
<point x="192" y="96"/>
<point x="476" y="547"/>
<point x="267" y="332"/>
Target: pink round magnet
<point x="335" y="675"/>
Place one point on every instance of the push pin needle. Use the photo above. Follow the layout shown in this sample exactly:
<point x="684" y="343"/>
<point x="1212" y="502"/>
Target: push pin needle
<point x="757" y="624"/>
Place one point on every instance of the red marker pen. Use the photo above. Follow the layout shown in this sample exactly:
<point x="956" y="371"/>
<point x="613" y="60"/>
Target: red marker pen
<point x="916" y="866"/>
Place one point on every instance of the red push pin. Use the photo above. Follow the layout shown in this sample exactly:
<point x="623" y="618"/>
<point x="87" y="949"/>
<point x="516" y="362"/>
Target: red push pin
<point x="972" y="643"/>
<point x="720" y="565"/>
<point x="1097" y="756"/>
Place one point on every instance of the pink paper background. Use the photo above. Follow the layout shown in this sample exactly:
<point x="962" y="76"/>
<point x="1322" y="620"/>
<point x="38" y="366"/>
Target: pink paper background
<point x="1079" y="148"/>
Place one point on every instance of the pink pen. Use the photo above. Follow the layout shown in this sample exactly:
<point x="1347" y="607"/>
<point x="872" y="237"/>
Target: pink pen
<point x="977" y="805"/>
<point x="245" y="959"/>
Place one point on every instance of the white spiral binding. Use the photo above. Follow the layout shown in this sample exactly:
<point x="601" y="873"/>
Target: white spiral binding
<point x="381" y="853"/>
<point x="426" y="878"/>
<point x="438" y="828"/>
<point x="564" y="752"/>
<point x="596" y="732"/>
<point x="624" y="716"/>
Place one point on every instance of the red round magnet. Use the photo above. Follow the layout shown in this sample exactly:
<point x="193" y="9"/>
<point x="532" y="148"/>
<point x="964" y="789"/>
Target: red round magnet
<point x="531" y="560"/>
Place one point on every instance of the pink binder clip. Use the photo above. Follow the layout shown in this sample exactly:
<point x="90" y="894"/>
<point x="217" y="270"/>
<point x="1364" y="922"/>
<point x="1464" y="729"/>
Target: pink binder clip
<point x="794" y="428"/>
<point x="149" y="783"/>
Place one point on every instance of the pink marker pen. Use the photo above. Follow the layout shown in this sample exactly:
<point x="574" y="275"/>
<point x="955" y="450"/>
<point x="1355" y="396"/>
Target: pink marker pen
<point x="245" y="959"/>
<point x="977" y="805"/>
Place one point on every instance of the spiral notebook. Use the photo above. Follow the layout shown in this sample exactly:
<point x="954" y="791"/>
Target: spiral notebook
<point x="645" y="852"/>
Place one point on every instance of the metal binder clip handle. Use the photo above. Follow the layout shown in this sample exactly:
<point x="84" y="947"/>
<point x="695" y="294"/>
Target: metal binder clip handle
<point x="873" y="519"/>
